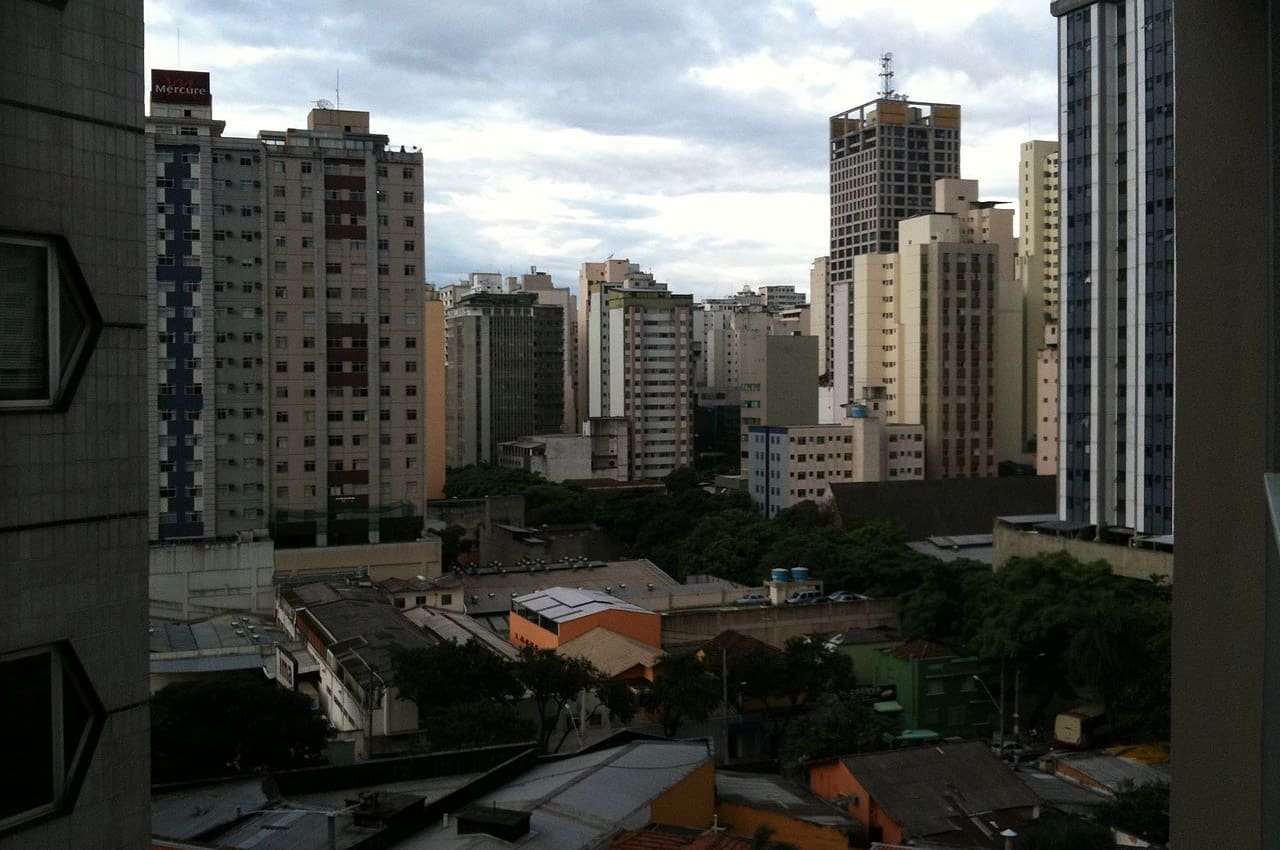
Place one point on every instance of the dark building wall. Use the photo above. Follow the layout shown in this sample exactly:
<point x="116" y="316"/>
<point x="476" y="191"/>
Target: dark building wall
<point x="1225" y="715"/>
<point x="944" y="506"/>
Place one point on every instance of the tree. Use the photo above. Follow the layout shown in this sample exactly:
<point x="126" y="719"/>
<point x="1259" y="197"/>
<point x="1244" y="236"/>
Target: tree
<point x="683" y="690"/>
<point x="1141" y="810"/>
<point x="201" y="729"/>
<point x="449" y="674"/>
<point x="790" y="681"/>
<point x="833" y="731"/>
<point x="1055" y="831"/>
<point x="552" y="681"/>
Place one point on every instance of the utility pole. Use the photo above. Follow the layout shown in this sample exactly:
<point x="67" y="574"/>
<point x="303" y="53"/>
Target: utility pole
<point x="1017" y="688"/>
<point x="724" y="696"/>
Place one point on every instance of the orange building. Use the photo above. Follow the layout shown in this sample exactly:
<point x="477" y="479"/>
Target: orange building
<point x="549" y="618"/>
<point x="928" y="793"/>
<point x="747" y="801"/>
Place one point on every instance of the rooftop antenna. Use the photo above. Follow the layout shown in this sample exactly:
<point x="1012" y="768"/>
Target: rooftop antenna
<point x="337" y="87"/>
<point x="886" y="79"/>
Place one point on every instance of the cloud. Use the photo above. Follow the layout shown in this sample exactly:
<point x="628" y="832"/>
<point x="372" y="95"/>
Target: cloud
<point x="688" y="137"/>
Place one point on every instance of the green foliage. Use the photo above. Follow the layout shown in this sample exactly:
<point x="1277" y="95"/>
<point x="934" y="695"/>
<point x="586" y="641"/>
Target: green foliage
<point x="449" y="674"/>
<point x="684" y="689"/>
<point x="835" y="730"/>
<point x="803" y="673"/>
<point x="202" y="729"/>
<point x="1055" y="831"/>
<point x="483" y="479"/>
<point x="1142" y="811"/>
<point x="479" y="723"/>
<point x="552" y="680"/>
<point x="1062" y="624"/>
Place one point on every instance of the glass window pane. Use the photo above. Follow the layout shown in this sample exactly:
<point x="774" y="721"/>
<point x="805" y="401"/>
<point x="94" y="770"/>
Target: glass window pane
<point x="25" y="683"/>
<point x="24" y="326"/>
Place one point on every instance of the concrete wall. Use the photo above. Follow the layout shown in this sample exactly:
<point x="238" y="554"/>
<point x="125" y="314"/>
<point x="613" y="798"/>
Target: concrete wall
<point x="1124" y="560"/>
<point x="191" y="581"/>
<point x="382" y="560"/>
<point x="775" y="625"/>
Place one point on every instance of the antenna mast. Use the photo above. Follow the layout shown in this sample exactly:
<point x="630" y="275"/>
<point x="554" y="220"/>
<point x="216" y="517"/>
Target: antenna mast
<point x="886" y="76"/>
<point x="337" y="86"/>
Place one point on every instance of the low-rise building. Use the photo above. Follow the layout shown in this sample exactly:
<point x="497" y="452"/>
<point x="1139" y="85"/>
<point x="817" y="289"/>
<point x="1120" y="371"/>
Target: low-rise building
<point x="935" y="687"/>
<point x="958" y="795"/>
<point x="790" y="464"/>
<point x="601" y="451"/>
<point x="225" y="646"/>
<point x="550" y="618"/>
<point x="615" y="655"/>
<point x="353" y="634"/>
<point x="745" y="802"/>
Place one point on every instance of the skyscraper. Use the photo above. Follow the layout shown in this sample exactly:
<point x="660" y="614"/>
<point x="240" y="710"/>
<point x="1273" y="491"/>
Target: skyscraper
<point x="505" y="373"/>
<point x="1037" y="265"/>
<point x="1115" y="64"/>
<point x="884" y="157"/>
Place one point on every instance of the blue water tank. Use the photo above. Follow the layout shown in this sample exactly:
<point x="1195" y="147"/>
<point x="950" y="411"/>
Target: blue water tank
<point x="857" y="411"/>
<point x="780" y="574"/>
<point x="799" y="573"/>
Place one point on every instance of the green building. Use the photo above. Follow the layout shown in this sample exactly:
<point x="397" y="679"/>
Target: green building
<point x="935" y="688"/>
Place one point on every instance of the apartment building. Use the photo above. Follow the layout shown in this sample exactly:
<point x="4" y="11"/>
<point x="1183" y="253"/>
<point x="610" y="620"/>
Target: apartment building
<point x="885" y="157"/>
<point x="541" y="284"/>
<point x="1037" y="267"/>
<point x="345" y="306"/>
<point x="928" y="321"/>
<point x="789" y="464"/>
<point x="821" y="315"/>
<point x="73" y="424"/>
<point x="636" y="340"/>
<point x="779" y="297"/>
<point x="205" y="300"/>
<point x="505" y="373"/>
<point x="1116" y="127"/>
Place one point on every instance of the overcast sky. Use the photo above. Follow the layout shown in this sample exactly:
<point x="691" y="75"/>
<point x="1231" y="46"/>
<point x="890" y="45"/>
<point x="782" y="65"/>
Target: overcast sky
<point x="689" y="137"/>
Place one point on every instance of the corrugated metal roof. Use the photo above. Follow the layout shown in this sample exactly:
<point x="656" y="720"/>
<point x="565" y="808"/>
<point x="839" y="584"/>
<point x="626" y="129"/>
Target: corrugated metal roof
<point x="563" y="604"/>
<point x="610" y="652"/>
<point x="775" y="794"/>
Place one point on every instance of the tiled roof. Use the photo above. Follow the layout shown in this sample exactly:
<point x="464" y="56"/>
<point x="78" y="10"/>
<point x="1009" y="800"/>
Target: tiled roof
<point x="917" y="649"/>
<point x="610" y="652"/>
<point x="662" y="839"/>
<point x="736" y="644"/>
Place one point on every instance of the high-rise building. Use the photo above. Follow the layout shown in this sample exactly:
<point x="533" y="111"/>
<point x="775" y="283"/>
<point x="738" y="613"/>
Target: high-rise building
<point x="1117" y="275"/>
<point x="505" y="373"/>
<point x="73" y="429"/>
<point x="636" y="340"/>
<point x="205" y="300"/>
<point x="290" y="329"/>
<point x="927" y="320"/>
<point x="884" y="158"/>
<point x="1037" y="265"/>
<point x="540" y="284"/>
<point x="820" y="319"/>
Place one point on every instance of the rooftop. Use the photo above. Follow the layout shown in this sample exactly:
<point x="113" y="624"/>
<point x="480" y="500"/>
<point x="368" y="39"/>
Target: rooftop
<point x="775" y="794"/>
<point x="933" y="790"/>
<point x="490" y="590"/>
<point x="459" y="629"/>
<point x="856" y="636"/>
<point x="610" y="652"/>
<point x="672" y="838"/>
<point x="563" y="604"/>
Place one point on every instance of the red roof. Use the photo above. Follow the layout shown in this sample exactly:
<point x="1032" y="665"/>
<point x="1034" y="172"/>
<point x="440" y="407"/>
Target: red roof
<point x="654" y="839"/>
<point x="916" y="649"/>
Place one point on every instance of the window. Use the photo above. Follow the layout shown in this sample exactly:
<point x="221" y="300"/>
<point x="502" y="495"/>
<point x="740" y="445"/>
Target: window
<point x="55" y="723"/>
<point x="410" y="269"/>
<point x="306" y="167"/>
<point x="47" y="323"/>
<point x="408" y="221"/>
<point x="408" y="197"/>
<point x="411" y="342"/>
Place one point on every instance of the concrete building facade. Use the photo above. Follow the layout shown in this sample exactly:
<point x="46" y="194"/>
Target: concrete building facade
<point x="541" y="284"/>
<point x="929" y="322"/>
<point x="505" y="373"/>
<point x="786" y="465"/>
<point x="1115" y="67"/>
<point x="1037" y="264"/>
<point x="73" y="424"/>
<point x="636" y="340"/>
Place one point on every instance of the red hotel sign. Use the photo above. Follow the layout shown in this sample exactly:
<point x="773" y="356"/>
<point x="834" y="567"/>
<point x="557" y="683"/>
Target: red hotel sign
<point x="180" y="87"/>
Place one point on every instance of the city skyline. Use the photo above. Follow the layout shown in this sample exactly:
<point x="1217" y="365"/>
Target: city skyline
<point x="696" y="142"/>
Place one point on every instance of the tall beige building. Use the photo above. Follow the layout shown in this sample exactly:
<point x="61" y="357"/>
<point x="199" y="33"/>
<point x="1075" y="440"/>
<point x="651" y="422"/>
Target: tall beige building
<point x="820" y="313"/>
<point x="926" y="321"/>
<point x="1038" y="269"/>
<point x="346" y="313"/>
<point x="636" y="343"/>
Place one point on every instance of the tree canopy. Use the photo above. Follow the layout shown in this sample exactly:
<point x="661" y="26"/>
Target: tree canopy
<point x="684" y="689"/>
<point x="221" y="727"/>
<point x="835" y="730"/>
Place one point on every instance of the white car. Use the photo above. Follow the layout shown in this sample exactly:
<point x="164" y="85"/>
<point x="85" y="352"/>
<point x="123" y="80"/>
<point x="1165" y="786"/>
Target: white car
<point x="753" y="599"/>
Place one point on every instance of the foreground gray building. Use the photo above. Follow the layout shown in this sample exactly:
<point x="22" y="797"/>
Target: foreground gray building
<point x="73" y="454"/>
<point x="1115" y="65"/>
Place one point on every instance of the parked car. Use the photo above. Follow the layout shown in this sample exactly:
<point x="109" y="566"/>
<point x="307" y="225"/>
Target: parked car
<point x="752" y="599"/>
<point x="805" y="597"/>
<point x="842" y="596"/>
